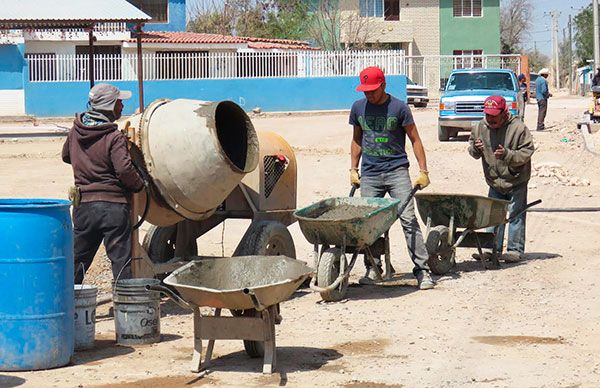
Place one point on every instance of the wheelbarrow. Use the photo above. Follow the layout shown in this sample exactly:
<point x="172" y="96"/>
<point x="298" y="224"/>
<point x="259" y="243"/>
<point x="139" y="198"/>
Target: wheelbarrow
<point x="250" y="286"/>
<point x="336" y="226"/>
<point x="453" y="220"/>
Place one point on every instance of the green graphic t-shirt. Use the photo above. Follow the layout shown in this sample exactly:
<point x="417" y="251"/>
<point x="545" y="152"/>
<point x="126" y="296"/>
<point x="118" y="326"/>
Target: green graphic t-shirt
<point x="383" y="137"/>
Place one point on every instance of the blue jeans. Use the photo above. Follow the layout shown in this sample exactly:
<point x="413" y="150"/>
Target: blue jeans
<point x="516" y="229"/>
<point x="398" y="185"/>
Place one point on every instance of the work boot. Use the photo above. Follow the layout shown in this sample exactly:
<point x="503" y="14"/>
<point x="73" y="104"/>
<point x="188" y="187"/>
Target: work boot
<point x="370" y="277"/>
<point x="487" y="256"/>
<point x="511" y="257"/>
<point x="424" y="280"/>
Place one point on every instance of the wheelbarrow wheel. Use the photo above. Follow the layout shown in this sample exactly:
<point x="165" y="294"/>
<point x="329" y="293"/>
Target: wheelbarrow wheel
<point x="441" y="255"/>
<point x="160" y="241"/>
<point x="328" y="272"/>
<point x="254" y="349"/>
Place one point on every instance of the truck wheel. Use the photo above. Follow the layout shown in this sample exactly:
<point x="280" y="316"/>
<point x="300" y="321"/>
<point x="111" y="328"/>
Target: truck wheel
<point x="443" y="134"/>
<point x="328" y="272"/>
<point x="266" y="238"/>
<point x="159" y="243"/>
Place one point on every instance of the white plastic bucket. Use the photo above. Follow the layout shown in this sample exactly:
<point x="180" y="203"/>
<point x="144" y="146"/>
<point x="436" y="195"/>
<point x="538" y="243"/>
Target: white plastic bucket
<point x="85" y="316"/>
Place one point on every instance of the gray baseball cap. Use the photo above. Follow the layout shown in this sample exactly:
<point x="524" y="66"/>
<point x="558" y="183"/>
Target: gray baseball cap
<point x="104" y="96"/>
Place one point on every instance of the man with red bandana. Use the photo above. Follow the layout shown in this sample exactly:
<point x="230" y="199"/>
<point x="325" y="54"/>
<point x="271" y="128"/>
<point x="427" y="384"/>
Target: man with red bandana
<point x="504" y="145"/>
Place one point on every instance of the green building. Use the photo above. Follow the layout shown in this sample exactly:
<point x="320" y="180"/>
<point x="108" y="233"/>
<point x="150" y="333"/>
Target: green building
<point x="469" y="27"/>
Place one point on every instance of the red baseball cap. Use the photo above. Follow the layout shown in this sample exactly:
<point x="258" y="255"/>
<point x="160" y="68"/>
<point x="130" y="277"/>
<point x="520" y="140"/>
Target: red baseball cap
<point x="371" y="78"/>
<point x="494" y="105"/>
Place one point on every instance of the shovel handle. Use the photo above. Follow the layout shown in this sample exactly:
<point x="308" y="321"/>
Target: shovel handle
<point x="352" y="190"/>
<point x="171" y="295"/>
<point x="519" y="214"/>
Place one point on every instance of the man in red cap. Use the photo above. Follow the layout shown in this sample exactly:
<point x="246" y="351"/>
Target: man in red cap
<point x="381" y="123"/>
<point x="505" y="146"/>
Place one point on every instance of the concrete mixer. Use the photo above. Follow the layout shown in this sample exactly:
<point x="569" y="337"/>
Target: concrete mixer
<point x="206" y="163"/>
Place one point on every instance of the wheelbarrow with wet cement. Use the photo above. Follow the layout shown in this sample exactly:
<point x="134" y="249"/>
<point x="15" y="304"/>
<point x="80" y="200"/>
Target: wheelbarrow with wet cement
<point x="336" y="226"/>
<point x="250" y="286"/>
<point x="459" y="220"/>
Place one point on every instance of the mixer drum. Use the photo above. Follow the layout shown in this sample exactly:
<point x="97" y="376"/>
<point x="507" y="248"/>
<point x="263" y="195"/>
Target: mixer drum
<point x="196" y="153"/>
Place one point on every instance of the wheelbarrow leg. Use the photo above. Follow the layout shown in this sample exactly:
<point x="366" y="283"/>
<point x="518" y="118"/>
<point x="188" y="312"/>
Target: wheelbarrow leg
<point x="495" y="252"/>
<point x="373" y="264"/>
<point x="388" y="263"/>
<point x="197" y="357"/>
<point x="270" y="359"/>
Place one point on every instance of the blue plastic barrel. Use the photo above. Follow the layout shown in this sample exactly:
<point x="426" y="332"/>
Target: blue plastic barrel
<point x="36" y="284"/>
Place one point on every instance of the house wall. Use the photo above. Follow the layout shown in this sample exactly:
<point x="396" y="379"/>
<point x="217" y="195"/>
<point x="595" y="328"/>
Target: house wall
<point x="419" y="24"/>
<point x="270" y="94"/>
<point x="12" y="97"/>
<point x="470" y="33"/>
<point x="177" y="18"/>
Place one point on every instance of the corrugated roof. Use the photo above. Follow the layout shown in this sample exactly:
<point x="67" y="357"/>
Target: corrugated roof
<point x="66" y="13"/>
<point x="201" y="38"/>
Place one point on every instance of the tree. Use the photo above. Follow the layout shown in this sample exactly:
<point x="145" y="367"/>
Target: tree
<point x="584" y="35"/>
<point x="515" y="22"/>
<point x="537" y="60"/>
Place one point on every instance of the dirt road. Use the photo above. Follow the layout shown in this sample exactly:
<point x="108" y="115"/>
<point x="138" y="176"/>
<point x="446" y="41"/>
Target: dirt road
<point x="529" y="324"/>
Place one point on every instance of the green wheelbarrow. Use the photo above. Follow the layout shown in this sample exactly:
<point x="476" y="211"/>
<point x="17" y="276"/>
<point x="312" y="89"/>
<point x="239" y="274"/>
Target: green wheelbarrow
<point x="336" y="226"/>
<point x="454" y="220"/>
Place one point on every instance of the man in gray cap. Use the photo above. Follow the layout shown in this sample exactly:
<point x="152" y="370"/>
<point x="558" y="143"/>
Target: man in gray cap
<point x="105" y="179"/>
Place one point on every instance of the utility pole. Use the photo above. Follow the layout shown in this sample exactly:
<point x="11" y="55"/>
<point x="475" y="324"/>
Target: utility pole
<point x="596" y="37"/>
<point x="571" y="75"/>
<point x="554" y="15"/>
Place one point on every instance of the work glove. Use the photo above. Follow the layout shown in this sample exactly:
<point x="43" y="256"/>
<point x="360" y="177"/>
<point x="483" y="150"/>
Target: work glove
<point x="354" y="177"/>
<point x="422" y="180"/>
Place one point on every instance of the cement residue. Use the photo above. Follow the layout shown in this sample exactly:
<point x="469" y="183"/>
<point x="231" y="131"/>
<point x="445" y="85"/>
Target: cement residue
<point x="375" y="346"/>
<point x="345" y="212"/>
<point x="160" y="382"/>
<point x="516" y="340"/>
<point x="370" y="384"/>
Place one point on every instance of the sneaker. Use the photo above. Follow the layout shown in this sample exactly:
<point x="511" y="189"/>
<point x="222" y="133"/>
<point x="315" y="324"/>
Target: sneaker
<point x="370" y="277"/>
<point x="486" y="255"/>
<point x="511" y="257"/>
<point x="425" y="280"/>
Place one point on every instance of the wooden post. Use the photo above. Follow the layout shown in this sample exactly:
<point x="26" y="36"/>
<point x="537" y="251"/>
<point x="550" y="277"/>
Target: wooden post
<point x="91" y="56"/>
<point x="525" y="70"/>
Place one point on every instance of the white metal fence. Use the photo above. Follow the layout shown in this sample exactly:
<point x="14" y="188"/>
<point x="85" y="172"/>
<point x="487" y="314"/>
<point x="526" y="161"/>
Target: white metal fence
<point x="212" y="65"/>
<point x="429" y="71"/>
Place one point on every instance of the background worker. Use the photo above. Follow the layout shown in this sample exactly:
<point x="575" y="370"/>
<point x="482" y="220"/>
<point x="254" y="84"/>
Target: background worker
<point x="523" y="88"/>
<point x="504" y="145"/>
<point x="381" y="123"/>
<point x="542" y="93"/>
<point x="105" y="179"/>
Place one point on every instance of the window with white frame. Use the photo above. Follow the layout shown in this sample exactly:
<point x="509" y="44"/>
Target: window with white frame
<point x="468" y="59"/>
<point x="467" y="8"/>
<point x="388" y="9"/>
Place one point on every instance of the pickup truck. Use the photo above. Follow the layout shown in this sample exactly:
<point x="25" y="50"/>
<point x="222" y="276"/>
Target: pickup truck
<point x="461" y="103"/>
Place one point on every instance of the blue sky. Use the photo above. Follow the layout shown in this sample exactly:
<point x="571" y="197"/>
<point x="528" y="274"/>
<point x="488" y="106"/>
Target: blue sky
<point x="540" y="34"/>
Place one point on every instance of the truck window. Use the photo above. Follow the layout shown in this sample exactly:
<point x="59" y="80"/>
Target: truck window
<point x="481" y="81"/>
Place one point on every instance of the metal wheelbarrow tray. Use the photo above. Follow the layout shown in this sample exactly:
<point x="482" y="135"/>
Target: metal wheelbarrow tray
<point x="452" y="221"/>
<point x="251" y="287"/>
<point x="231" y="282"/>
<point x="350" y="225"/>
<point x="347" y="227"/>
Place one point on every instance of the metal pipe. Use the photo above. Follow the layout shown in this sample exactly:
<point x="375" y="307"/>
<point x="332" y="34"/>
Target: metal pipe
<point x="140" y="67"/>
<point x="565" y="210"/>
<point x="596" y="36"/>
<point x="91" y="56"/>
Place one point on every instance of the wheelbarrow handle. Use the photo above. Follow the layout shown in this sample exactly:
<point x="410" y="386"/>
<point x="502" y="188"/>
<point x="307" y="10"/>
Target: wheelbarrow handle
<point x="519" y="214"/>
<point x="176" y="298"/>
<point x="353" y="190"/>
<point x="410" y="198"/>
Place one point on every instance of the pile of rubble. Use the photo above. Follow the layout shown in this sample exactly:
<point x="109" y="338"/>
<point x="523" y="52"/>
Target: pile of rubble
<point x="557" y="174"/>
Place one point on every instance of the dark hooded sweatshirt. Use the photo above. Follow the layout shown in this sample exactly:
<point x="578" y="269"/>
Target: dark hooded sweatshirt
<point x="101" y="163"/>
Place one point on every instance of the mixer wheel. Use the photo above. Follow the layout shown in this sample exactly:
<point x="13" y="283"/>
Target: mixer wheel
<point x="254" y="349"/>
<point x="266" y="238"/>
<point x="159" y="243"/>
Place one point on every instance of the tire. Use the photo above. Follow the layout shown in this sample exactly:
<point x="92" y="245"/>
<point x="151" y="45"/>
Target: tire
<point x="443" y="134"/>
<point x="266" y="238"/>
<point x="421" y="105"/>
<point x="328" y="272"/>
<point x="263" y="238"/>
<point x="159" y="243"/>
<point x="441" y="255"/>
